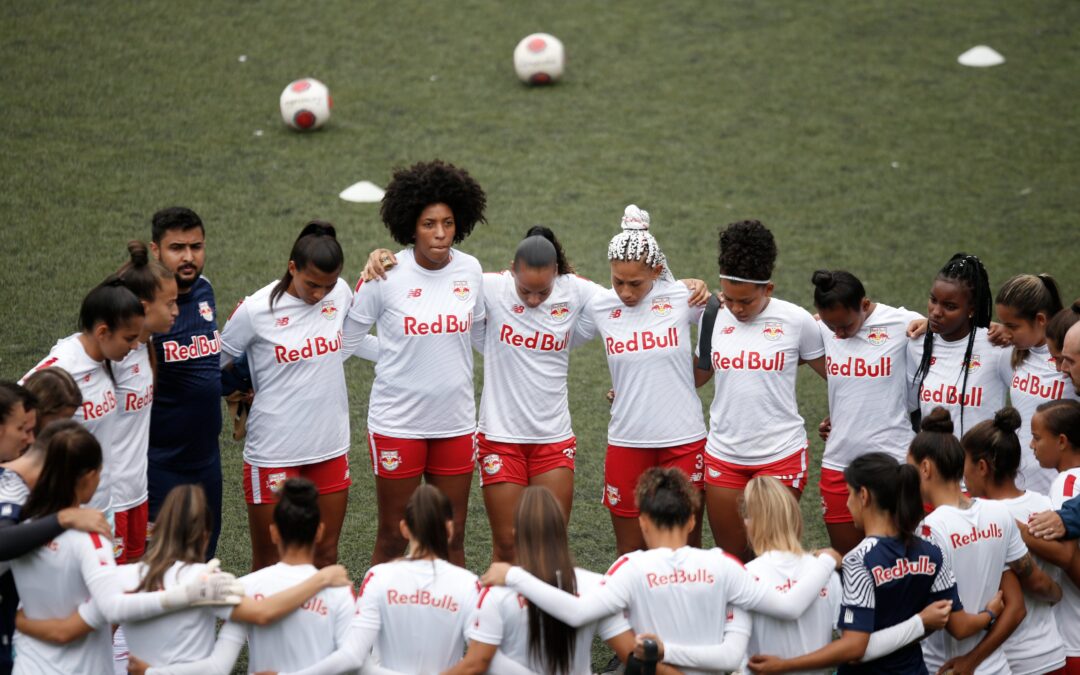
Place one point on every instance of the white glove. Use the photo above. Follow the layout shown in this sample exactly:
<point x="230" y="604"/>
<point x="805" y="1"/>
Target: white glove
<point x="213" y="587"/>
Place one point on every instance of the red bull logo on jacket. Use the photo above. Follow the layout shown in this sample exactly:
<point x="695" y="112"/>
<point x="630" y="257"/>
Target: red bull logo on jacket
<point x="859" y="367"/>
<point x="443" y="323"/>
<point x="878" y="335"/>
<point x="1034" y="385"/>
<point x="748" y="361"/>
<point x="950" y="395"/>
<point x="642" y="341"/>
<point x="774" y="330"/>
<point x="537" y="341"/>
<point x="559" y="311"/>
<point x="311" y="348"/>
<point x="661" y="306"/>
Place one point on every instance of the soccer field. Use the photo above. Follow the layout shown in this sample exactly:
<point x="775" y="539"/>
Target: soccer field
<point x="848" y="128"/>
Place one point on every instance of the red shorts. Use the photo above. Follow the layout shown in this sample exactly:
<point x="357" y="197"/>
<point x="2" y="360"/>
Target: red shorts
<point x="410" y="457"/>
<point x="130" y="542"/>
<point x="1072" y="666"/>
<point x="518" y="462"/>
<point x="834" y="494"/>
<point x="262" y="483"/>
<point x="623" y="467"/>
<point x="791" y="471"/>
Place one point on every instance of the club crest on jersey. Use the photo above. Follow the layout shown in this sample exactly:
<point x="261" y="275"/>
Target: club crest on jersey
<point x="973" y="363"/>
<point x="661" y="306"/>
<point x="461" y="290"/>
<point x="878" y="335"/>
<point x="390" y="459"/>
<point x="559" y="311"/>
<point x="205" y="311"/>
<point x="328" y="310"/>
<point x="615" y="313"/>
<point x="492" y="464"/>
<point x="276" y="481"/>
<point x="613" y="496"/>
<point x="774" y="330"/>
<point x="518" y="309"/>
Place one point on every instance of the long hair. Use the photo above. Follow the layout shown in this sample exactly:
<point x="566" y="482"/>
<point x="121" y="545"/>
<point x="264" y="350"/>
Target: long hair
<point x="561" y="262"/>
<point x="55" y="390"/>
<point x="543" y="551"/>
<point x="182" y="532"/>
<point x="317" y="245"/>
<point x="426" y="516"/>
<point x="893" y="487"/>
<point x="968" y="271"/>
<point x="1029" y="295"/>
<point x="995" y="442"/>
<point x="71" y="454"/>
<point x="776" y="521"/>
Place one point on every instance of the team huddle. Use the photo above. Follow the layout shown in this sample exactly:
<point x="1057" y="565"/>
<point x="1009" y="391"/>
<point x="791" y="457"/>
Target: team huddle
<point x="948" y="481"/>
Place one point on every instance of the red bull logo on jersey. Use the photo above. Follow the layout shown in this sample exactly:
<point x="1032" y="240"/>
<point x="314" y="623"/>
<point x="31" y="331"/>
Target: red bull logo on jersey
<point x="1034" y="385"/>
<point x="206" y="311"/>
<point x="93" y="410"/>
<point x="878" y="335"/>
<point x="661" y="306"/>
<point x="748" y="361"/>
<point x="390" y="459"/>
<point x="199" y="347"/>
<point x="859" y="367"/>
<point x="680" y="576"/>
<point x="443" y="324"/>
<point x="560" y="311"/>
<point x="951" y="396"/>
<point x="492" y="464"/>
<point x="642" y="341"/>
<point x="903" y="568"/>
<point x="611" y="493"/>
<point x="461" y="290"/>
<point x="423" y="598"/>
<point x="328" y="311"/>
<point x="276" y="481"/>
<point x="134" y="402"/>
<point x="774" y="330"/>
<point x="958" y="540"/>
<point x="973" y="363"/>
<point x="541" y="342"/>
<point x="312" y="348"/>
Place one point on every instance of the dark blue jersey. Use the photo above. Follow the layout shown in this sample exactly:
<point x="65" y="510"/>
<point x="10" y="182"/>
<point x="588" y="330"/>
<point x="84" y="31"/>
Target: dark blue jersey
<point x="186" y="418"/>
<point x="886" y="583"/>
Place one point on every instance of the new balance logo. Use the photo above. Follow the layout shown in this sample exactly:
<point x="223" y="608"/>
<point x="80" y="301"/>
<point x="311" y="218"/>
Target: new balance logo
<point x="282" y="322"/>
<point x="415" y="292"/>
<point x="615" y="314"/>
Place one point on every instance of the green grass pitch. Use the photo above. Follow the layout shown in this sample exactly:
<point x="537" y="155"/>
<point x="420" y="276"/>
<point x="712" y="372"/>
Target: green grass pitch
<point x="849" y="128"/>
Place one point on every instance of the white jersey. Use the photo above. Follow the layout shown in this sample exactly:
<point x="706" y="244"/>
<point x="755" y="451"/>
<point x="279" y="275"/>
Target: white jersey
<point x="650" y="354"/>
<point x="419" y="609"/>
<point x="1034" y="382"/>
<point x="980" y="540"/>
<point x="502" y="619"/>
<point x="810" y="632"/>
<point x="424" y="319"/>
<point x="294" y="353"/>
<point x="1035" y="646"/>
<point x="868" y="388"/>
<point x="1067" y="612"/>
<point x="53" y="581"/>
<point x="526" y="358"/>
<point x="301" y="638"/>
<point x="98" y="411"/>
<point x="754" y="418"/>
<point x="989" y="375"/>
<point x="134" y="381"/>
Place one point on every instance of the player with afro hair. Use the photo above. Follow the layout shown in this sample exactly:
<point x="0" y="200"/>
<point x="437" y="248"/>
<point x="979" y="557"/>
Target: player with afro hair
<point x="423" y="184"/>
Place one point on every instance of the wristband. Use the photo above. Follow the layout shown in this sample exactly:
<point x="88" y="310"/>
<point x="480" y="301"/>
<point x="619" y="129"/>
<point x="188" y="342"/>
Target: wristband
<point x="993" y="617"/>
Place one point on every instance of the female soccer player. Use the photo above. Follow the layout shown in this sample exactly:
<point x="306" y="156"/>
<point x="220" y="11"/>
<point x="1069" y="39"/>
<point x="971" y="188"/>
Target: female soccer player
<point x="54" y="579"/>
<point x="58" y="396"/>
<point x="758" y="343"/>
<point x="678" y="592"/>
<point x="955" y="366"/>
<point x="13" y="422"/>
<point x="979" y="537"/>
<point x="1025" y="305"/>
<point x="866" y="368"/>
<point x="887" y="577"/>
<point x="422" y="594"/>
<point x="425" y="312"/>
<point x="290" y="331"/>
<point x="992" y="461"/>
<point x="155" y="287"/>
<point x="111" y="322"/>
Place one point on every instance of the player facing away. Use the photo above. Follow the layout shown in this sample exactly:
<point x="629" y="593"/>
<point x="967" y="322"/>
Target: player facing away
<point x="155" y="287"/>
<point x="57" y="394"/>
<point x="290" y="331"/>
<point x="685" y="596"/>
<point x="111" y="322"/>
<point x="866" y="371"/>
<point x="644" y="322"/>
<point x="1025" y="304"/>
<point x="977" y="536"/>
<point x="185" y="420"/>
<point x="422" y="411"/>
<point x="954" y="365"/>
<point x="991" y="467"/>
<point x="758" y="343"/>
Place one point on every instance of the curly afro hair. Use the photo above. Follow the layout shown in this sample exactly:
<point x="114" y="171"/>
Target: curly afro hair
<point x="414" y="189"/>
<point x="747" y="250"/>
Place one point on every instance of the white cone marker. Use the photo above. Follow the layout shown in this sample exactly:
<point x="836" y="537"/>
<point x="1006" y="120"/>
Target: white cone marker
<point x="981" y="57"/>
<point x="362" y="192"/>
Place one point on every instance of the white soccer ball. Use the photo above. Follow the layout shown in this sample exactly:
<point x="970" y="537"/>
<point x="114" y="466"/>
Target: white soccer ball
<point x="539" y="59"/>
<point x="305" y="104"/>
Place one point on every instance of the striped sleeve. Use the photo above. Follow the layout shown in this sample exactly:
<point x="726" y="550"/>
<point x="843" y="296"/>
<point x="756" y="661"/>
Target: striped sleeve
<point x="859" y="597"/>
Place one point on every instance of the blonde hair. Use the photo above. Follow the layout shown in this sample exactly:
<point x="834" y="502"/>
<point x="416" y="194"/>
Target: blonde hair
<point x="775" y="520"/>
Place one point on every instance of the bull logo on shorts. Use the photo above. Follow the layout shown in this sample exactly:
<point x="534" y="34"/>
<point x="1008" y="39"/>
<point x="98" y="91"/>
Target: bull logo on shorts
<point x="461" y="290"/>
<point x="570" y="452"/>
<point x="713" y="472"/>
<point x="328" y="310"/>
<point x="492" y="464"/>
<point x="613" y="496"/>
<point x="276" y="481"/>
<point x="878" y="335"/>
<point x="774" y="330"/>
<point x="559" y="311"/>
<point x="661" y="306"/>
<point x="205" y="311"/>
<point x="118" y="548"/>
<point x="390" y="459"/>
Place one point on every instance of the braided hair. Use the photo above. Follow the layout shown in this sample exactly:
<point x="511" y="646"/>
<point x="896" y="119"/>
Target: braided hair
<point x="635" y="242"/>
<point x="968" y="271"/>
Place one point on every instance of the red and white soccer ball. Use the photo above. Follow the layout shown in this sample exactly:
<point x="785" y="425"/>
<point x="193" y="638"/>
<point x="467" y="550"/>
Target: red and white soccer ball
<point x="305" y="104"/>
<point x="539" y="59"/>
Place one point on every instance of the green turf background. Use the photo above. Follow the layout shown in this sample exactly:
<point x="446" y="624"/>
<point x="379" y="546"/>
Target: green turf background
<point x="849" y="128"/>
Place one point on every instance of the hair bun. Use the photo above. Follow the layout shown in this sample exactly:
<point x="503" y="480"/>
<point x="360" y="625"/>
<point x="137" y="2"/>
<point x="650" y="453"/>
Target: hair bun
<point x="635" y="218"/>
<point x="939" y="420"/>
<point x="1007" y="419"/>
<point x="300" y="491"/>
<point x="319" y="228"/>
<point x="824" y="280"/>
<point x="139" y="253"/>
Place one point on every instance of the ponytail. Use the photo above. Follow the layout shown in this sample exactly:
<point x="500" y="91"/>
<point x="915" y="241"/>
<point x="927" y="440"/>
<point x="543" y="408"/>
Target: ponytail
<point x="317" y="245"/>
<point x="71" y="453"/>
<point x="110" y="303"/>
<point x="426" y="516"/>
<point x="995" y="442"/>
<point x="909" y="503"/>
<point x="1029" y="295"/>
<point x="182" y="531"/>
<point x="893" y="487"/>
<point x="562" y="264"/>
<point x="141" y="274"/>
